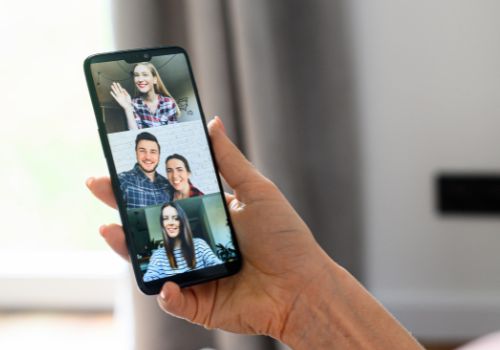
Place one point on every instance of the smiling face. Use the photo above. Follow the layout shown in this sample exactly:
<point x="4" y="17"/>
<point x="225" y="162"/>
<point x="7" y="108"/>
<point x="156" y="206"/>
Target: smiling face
<point x="170" y="221"/>
<point x="148" y="155"/>
<point x="144" y="79"/>
<point x="178" y="175"/>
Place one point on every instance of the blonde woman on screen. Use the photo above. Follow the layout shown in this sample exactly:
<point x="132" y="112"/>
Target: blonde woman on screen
<point x="152" y="105"/>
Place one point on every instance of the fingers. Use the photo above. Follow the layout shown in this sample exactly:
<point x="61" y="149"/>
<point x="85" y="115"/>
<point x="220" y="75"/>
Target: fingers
<point x="120" y="88"/>
<point x="115" y="90"/>
<point x="101" y="188"/>
<point x="116" y="87"/>
<point x="123" y="91"/>
<point x="118" y="91"/>
<point x="233" y="165"/>
<point x="114" y="236"/>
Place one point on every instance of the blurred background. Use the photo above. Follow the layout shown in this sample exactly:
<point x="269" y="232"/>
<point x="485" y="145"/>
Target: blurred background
<point x="353" y="108"/>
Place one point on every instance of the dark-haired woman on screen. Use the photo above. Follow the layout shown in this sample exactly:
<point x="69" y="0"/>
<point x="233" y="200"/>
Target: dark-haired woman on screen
<point x="178" y="175"/>
<point x="182" y="251"/>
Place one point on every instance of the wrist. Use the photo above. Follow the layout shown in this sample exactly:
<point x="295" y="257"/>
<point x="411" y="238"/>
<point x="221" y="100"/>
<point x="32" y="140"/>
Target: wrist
<point x="309" y="322"/>
<point x="129" y="107"/>
<point x="336" y="311"/>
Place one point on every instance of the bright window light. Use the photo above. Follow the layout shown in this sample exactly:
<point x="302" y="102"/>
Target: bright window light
<point x="49" y="140"/>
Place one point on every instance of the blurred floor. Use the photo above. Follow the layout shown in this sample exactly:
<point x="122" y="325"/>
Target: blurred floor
<point x="441" y="346"/>
<point x="54" y="330"/>
<point x="63" y="330"/>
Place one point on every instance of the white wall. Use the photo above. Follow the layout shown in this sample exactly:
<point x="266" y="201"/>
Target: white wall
<point x="428" y="80"/>
<point x="186" y="138"/>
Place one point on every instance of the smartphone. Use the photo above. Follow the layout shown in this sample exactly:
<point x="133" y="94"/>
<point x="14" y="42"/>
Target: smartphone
<point x="164" y="177"/>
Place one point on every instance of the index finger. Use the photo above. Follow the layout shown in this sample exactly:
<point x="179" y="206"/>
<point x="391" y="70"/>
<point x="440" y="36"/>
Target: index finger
<point x="233" y="165"/>
<point x="101" y="188"/>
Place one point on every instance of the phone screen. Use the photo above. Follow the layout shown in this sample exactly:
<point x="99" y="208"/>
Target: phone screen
<point x="163" y="172"/>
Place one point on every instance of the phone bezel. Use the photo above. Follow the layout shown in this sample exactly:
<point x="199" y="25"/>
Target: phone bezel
<point x="183" y="279"/>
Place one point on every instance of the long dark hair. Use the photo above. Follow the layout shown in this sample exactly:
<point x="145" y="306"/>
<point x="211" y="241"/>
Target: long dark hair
<point x="181" y="158"/>
<point x="185" y="236"/>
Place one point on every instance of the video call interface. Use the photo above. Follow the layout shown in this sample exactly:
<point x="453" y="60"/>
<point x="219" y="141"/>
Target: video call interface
<point x="167" y="180"/>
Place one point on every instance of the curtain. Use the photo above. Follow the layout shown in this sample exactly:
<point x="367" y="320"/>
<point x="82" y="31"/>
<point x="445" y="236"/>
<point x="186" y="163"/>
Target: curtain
<point x="279" y="74"/>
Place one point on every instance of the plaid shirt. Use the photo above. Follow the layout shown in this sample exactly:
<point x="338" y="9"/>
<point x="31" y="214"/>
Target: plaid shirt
<point x="138" y="191"/>
<point x="166" y="112"/>
<point x="193" y="191"/>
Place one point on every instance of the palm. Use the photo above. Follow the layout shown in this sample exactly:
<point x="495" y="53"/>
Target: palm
<point x="270" y="246"/>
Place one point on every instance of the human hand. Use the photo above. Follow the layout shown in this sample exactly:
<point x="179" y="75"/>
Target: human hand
<point x="281" y="259"/>
<point x="121" y="96"/>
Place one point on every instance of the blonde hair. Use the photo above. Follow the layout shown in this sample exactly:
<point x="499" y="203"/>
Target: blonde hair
<point x="159" y="87"/>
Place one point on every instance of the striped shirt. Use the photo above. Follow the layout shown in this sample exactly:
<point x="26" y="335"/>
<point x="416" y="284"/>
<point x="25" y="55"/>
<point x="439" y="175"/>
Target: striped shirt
<point x="166" y="112"/>
<point x="159" y="266"/>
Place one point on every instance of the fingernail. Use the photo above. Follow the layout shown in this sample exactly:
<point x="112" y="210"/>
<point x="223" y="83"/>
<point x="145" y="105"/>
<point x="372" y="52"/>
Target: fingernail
<point x="101" y="229"/>
<point x="163" y="295"/>
<point x="235" y="204"/>
<point x="221" y="124"/>
<point x="89" y="181"/>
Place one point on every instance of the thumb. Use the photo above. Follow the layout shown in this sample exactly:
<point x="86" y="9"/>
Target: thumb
<point x="182" y="303"/>
<point x="233" y="165"/>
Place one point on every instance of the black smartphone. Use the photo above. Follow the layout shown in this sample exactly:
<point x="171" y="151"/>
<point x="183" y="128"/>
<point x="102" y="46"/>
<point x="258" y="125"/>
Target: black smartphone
<point x="162" y="167"/>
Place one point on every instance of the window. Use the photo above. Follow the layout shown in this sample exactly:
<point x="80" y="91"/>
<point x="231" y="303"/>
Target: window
<point x="50" y="146"/>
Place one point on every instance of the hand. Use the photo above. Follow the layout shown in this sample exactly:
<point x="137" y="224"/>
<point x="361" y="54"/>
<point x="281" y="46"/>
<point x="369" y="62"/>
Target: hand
<point x="121" y="96"/>
<point x="281" y="257"/>
<point x="288" y="287"/>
